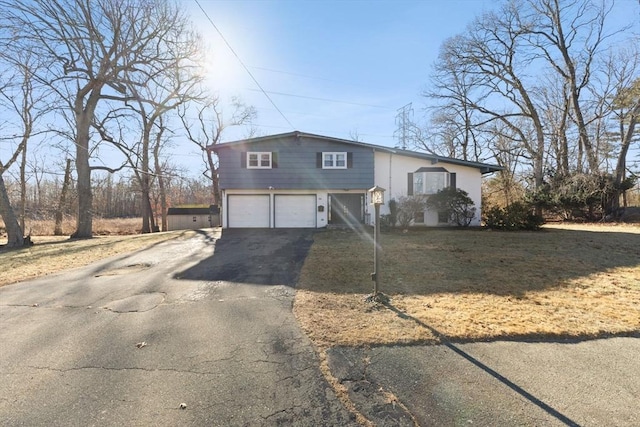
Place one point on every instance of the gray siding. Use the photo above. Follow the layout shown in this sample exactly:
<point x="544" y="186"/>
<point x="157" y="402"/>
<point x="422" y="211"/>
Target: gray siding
<point x="296" y="166"/>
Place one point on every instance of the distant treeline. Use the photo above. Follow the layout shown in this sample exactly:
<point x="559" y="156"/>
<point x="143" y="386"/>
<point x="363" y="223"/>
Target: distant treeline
<point x="114" y="197"/>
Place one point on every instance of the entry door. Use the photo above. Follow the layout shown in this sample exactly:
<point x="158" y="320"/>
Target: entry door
<point x="346" y="208"/>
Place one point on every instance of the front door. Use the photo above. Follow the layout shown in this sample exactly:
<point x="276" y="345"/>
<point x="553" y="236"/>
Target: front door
<point x="346" y="208"/>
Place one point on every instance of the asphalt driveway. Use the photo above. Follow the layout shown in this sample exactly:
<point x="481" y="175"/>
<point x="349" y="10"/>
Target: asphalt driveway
<point x="201" y="332"/>
<point x="506" y="383"/>
<point x="188" y="332"/>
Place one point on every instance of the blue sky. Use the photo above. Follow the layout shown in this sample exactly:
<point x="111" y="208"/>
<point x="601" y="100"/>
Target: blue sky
<point x="338" y="68"/>
<point x="332" y="67"/>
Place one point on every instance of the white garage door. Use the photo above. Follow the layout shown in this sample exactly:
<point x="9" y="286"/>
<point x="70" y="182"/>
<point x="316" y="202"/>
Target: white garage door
<point x="248" y="211"/>
<point x="295" y="211"/>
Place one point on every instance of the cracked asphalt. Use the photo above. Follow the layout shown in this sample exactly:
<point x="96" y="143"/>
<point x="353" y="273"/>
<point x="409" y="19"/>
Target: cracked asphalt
<point x="205" y="322"/>
<point x="200" y="331"/>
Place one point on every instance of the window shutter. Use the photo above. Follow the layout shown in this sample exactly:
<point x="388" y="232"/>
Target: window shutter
<point x="274" y="159"/>
<point x="319" y="160"/>
<point x="243" y="159"/>
<point x="349" y="160"/>
<point x="409" y="184"/>
<point x="452" y="180"/>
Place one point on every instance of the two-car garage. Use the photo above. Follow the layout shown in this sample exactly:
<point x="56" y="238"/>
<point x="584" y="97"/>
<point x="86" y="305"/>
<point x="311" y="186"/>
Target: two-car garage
<point x="271" y="210"/>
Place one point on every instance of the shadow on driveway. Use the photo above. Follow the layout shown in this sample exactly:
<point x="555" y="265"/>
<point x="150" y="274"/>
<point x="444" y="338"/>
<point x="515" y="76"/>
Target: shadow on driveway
<point x="256" y="256"/>
<point x="495" y="374"/>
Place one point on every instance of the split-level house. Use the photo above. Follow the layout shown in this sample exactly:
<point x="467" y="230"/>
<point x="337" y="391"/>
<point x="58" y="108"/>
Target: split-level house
<point x="301" y="180"/>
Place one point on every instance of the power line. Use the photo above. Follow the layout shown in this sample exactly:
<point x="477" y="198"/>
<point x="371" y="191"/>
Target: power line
<point x="244" y="66"/>
<point x="289" y="73"/>
<point x="326" y="100"/>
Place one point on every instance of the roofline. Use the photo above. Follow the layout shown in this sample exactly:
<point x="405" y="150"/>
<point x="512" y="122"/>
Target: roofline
<point x="434" y="158"/>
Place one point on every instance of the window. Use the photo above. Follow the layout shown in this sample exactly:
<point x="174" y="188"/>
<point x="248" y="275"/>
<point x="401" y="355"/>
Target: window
<point x="418" y="183"/>
<point x="258" y="160"/>
<point x="418" y="217"/>
<point x="334" y="160"/>
<point x="429" y="182"/>
<point x="443" y="217"/>
<point x="434" y="182"/>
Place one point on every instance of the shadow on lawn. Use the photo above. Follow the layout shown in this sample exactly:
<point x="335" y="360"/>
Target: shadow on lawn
<point x="562" y="338"/>
<point x="424" y="262"/>
<point x="257" y="256"/>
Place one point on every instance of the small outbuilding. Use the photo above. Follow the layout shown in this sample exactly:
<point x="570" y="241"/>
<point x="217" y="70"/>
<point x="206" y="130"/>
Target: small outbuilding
<point x="193" y="218"/>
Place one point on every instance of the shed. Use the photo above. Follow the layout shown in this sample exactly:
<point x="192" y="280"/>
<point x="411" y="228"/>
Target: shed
<point x="193" y="218"/>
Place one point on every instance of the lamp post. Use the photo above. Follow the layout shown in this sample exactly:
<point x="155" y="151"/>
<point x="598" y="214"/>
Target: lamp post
<point x="377" y="199"/>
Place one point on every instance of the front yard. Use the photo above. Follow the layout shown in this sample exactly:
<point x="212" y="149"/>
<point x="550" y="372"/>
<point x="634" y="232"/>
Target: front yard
<point x="465" y="284"/>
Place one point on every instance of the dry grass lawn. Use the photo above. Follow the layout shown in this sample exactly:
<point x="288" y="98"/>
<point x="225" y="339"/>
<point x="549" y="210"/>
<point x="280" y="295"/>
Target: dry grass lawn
<point x="101" y="227"/>
<point x="563" y="282"/>
<point x="51" y="254"/>
<point x="566" y="281"/>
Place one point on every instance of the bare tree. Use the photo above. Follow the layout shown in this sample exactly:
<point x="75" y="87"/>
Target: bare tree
<point x="15" y="235"/>
<point x="208" y="129"/>
<point x="530" y="71"/>
<point x="93" y="48"/>
<point x="23" y="101"/>
<point x="509" y="154"/>
<point x="493" y="57"/>
<point x="354" y="135"/>
<point x="569" y="35"/>
<point x="453" y="87"/>
<point x="164" y="87"/>
<point x="625" y="108"/>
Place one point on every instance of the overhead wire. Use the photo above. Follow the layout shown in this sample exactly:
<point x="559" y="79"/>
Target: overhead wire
<point x="337" y="101"/>
<point x="206" y="15"/>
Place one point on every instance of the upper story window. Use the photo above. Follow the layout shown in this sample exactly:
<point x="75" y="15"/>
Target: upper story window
<point x="259" y="160"/>
<point x="334" y="160"/>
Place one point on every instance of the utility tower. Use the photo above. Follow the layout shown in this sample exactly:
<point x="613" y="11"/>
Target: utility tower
<point x="404" y="120"/>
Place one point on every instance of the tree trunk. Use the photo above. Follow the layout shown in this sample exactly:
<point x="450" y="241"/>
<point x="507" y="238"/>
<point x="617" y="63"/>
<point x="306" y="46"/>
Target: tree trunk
<point x="621" y="165"/>
<point x="14" y="231"/>
<point x="146" y="205"/>
<point x="23" y="186"/>
<point x="148" y="221"/>
<point x="163" y="194"/>
<point x="585" y="141"/>
<point x="84" y="115"/>
<point x="145" y="185"/>
<point x="215" y="183"/>
<point x="57" y="230"/>
<point x="563" y="157"/>
<point x="84" y="224"/>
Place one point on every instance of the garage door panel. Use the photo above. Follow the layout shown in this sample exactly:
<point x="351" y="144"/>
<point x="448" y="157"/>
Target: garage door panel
<point x="248" y="211"/>
<point x="295" y="211"/>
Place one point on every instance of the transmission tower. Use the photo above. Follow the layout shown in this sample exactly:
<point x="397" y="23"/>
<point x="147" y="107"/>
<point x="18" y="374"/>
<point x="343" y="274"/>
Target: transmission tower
<point x="404" y="120"/>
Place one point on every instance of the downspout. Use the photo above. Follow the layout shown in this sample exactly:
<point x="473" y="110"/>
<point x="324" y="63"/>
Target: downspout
<point x="390" y="175"/>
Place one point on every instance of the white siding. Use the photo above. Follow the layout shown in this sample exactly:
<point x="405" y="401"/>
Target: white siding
<point x="188" y="222"/>
<point x="391" y="173"/>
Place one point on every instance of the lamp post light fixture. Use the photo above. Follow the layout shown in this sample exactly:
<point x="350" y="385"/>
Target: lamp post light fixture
<point x="377" y="198"/>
